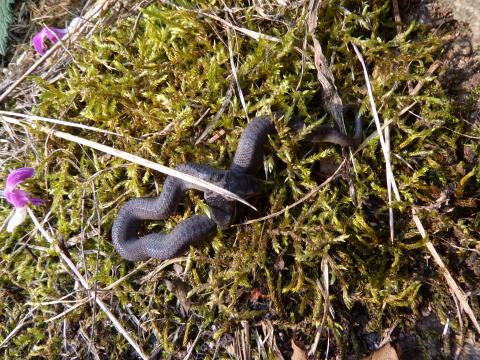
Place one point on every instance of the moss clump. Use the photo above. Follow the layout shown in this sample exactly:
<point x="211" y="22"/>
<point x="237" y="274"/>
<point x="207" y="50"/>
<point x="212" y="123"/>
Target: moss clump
<point x="150" y="81"/>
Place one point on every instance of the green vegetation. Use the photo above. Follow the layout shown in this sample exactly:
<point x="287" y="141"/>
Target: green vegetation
<point x="5" y="21"/>
<point x="150" y="81"/>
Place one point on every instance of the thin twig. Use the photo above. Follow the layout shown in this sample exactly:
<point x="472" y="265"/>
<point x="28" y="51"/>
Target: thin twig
<point x="301" y="200"/>
<point x="448" y="277"/>
<point x="389" y="188"/>
<point x="253" y="34"/>
<point x="202" y="184"/>
<point x="86" y="286"/>
<point x="429" y="72"/>
<point x="217" y="116"/>
<point x="464" y="135"/>
<point x="104" y="291"/>
<point x="192" y="347"/>
<point x="396" y="16"/>
<point x="17" y="328"/>
<point x="78" y="304"/>
<point x="234" y="73"/>
<point x="81" y="26"/>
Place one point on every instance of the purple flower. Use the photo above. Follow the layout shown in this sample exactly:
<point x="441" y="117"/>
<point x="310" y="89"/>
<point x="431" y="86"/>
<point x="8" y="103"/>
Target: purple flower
<point x="50" y="33"/>
<point x="53" y="34"/>
<point x="19" y="198"/>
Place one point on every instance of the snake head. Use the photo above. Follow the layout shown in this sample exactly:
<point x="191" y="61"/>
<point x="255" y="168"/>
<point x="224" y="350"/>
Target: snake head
<point x="222" y="210"/>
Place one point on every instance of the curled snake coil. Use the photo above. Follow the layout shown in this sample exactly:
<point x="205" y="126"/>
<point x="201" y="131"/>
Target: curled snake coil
<point x="239" y="179"/>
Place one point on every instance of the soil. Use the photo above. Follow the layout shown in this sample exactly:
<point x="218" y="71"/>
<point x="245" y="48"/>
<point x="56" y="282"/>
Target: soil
<point x="461" y="75"/>
<point x="467" y="11"/>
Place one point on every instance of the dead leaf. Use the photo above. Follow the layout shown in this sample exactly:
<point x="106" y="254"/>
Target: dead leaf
<point x="386" y="352"/>
<point x="180" y="290"/>
<point x="331" y="100"/>
<point x="299" y="350"/>
<point x="271" y="342"/>
<point x="256" y="294"/>
<point x="280" y="262"/>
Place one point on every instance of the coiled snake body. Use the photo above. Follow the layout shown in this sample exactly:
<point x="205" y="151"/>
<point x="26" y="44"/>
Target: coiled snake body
<point x="239" y="179"/>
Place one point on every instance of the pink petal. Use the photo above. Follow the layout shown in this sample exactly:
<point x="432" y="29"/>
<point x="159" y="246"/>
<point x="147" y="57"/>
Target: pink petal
<point x="18" y="198"/>
<point x="37" y="201"/>
<point x="55" y="34"/>
<point x="16" y="177"/>
<point x="51" y="33"/>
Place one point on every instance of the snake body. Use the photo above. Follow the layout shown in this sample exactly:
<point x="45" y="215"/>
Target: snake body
<point x="239" y="179"/>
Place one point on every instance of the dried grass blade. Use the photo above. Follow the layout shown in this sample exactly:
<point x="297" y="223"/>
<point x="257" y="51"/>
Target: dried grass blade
<point x="389" y="187"/>
<point x="137" y="160"/>
<point x="301" y="200"/>
<point x="386" y="153"/>
<point x="58" y="122"/>
<point x="333" y="102"/>
<point x="17" y="328"/>
<point x="234" y="73"/>
<point x="448" y="277"/>
<point x="84" y="283"/>
<point x="98" y="9"/>
<point x="253" y="34"/>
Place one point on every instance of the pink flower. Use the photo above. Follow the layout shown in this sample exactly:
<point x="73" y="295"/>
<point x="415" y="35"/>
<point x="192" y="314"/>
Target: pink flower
<point x="50" y="33"/>
<point x="19" y="198"/>
<point x="53" y="34"/>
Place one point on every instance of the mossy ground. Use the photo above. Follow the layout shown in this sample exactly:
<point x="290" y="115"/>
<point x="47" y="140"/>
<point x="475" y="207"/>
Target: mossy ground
<point x="150" y="79"/>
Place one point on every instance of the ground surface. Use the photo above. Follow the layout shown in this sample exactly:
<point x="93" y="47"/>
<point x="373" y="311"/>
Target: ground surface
<point x="324" y="274"/>
<point x="467" y="11"/>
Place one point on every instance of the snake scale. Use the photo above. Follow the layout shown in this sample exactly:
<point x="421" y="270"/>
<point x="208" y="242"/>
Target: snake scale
<point x="239" y="179"/>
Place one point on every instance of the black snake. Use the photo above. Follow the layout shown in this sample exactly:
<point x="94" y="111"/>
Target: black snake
<point x="239" y="179"/>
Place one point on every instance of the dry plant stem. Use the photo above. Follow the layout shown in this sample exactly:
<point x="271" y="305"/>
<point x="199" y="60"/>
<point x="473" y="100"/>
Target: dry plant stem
<point x="58" y="122"/>
<point x="90" y="345"/>
<point x="464" y="135"/>
<point x="104" y="291"/>
<point x="78" y="303"/>
<point x="253" y="34"/>
<point x="304" y="198"/>
<point x="147" y="163"/>
<point x="134" y="159"/>
<point x="332" y="101"/>
<point x="85" y="285"/>
<point x="192" y="346"/>
<point x="378" y="125"/>
<point x="448" y="277"/>
<point x="324" y="290"/>
<point x="459" y="311"/>
<point x="217" y="116"/>
<point x="385" y="143"/>
<point x="30" y="70"/>
<point x="429" y="72"/>
<point x="95" y="12"/>
<point x="369" y="138"/>
<point x="18" y="327"/>
<point x="154" y="273"/>
<point x="450" y="281"/>
<point x="396" y="15"/>
<point x="234" y="73"/>
<point x="389" y="187"/>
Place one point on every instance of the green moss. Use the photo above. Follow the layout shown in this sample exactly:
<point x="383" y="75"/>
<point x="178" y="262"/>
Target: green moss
<point x="150" y="83"/>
